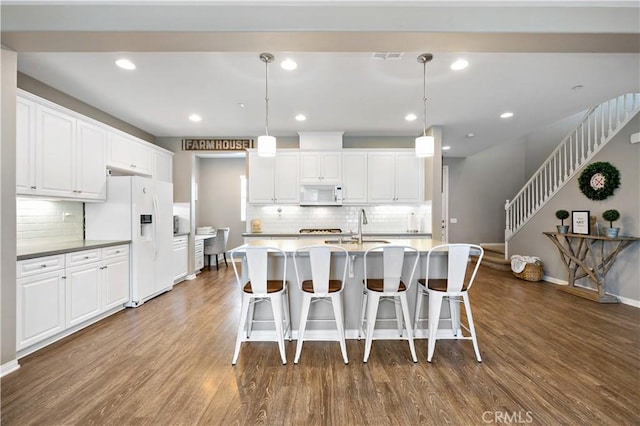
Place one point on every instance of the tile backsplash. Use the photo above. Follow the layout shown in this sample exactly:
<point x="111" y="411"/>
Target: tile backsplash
<point x="48" y="221"/>
<point x="381" y="218"/>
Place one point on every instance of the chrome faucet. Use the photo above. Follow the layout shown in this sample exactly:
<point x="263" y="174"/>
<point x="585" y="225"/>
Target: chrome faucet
<point x="362" y="220"/>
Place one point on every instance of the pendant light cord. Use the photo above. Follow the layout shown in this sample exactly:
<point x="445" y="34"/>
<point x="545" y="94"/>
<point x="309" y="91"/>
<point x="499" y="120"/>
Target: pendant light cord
<point x="266" y="97"/>
<point x="424" y="97"/>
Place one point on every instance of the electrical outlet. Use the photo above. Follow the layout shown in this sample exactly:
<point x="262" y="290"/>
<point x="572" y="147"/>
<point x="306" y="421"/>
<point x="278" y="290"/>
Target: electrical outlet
<point x="454" y="220"/>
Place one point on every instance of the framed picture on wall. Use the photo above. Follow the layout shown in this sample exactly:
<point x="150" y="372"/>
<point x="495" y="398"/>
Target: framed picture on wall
<point x="580" y="223"/>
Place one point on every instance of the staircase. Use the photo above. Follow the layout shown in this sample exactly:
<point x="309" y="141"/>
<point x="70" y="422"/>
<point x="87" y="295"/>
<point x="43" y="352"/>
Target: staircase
<point x="598" y="126"/>
<point x="494" y="257"/>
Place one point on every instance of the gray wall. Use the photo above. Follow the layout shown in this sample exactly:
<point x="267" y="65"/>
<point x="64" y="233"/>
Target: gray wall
<point x="478" y="188"/>
<point x="624" y="278"/>
<point x="38" y="88"/>
<point x="218" y="202"/>
<point x="8" y="206"/>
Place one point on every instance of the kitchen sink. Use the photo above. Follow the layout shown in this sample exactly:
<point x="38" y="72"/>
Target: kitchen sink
<point x="350" y="241"/>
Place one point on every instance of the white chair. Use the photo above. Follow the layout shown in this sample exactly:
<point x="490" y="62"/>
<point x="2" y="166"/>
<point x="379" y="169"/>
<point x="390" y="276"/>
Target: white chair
<point x="217" y="245"/>
<point x="390" y="287"/>
<point x="317" y="260"/>
<point x="257" y="287"/>
<point x="454" y="288"/>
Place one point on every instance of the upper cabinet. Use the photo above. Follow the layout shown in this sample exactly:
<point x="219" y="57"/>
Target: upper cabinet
<point x="58" y="155"/>
<point x="128" y="155"/>
<point x="274" y="179"/>
<point x="354" y="177"/>
<point x="320" y="167"/>
<point x="62" y="154"/>
<point x="395" y="177"/>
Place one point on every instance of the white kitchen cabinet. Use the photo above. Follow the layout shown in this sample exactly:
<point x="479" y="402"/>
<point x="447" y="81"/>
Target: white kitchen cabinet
<point x="40" y="307"/>
<point x="55" y="141"/>
<point x="115" y="276"/>
<point x="199" y="254"/>
<point x="90" y="162"/>
<point x="162" y="166"/>
<point x="180" y="258"/>
<point x="354" y="177"/>
<point x="25" y="146"/>
<point x="56" y="293"/>
<point x="57" y="154"/>
<point x="274" y="179"/>
<point x="395" y="177"/>
<point x="320" y="167"/>
<point x="125" y="153"/>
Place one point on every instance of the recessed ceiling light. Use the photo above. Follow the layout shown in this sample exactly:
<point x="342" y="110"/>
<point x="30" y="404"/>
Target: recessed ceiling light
<point x="300" y="117"/>
<point x="195" y="118"/>
<point x="242" y="104"/>
<point x="446" y="148"/>
<point x="469" y="135"/>
<point x="507" y="114"/>
<point x="410" y="117"/>
<point x="459" y="64"/>
<point x="125" y="64"/>
<point x="288" y="64"/>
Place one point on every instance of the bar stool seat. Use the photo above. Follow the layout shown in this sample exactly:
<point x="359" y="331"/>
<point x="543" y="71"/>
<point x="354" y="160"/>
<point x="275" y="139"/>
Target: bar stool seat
<point x="320" y="288"/>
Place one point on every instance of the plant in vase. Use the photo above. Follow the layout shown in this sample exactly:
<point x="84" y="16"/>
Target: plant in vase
<point x="562" y="215"/>
<point x="611" y="216"/>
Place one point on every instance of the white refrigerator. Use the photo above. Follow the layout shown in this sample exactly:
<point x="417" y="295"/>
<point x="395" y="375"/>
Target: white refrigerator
<point x="141" y="210"/>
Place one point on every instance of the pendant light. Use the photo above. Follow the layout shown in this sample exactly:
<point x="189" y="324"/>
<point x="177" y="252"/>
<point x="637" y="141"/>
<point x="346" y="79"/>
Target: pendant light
<point x="425" y="145"/>
<point x="266" y="143"/>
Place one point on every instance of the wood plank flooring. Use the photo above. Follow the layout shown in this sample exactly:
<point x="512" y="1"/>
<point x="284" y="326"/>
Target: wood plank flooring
<point x="548" y="358"/>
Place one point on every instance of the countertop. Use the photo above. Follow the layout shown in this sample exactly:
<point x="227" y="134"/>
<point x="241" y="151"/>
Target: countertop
<point x="32" y="250"/>
<point x="204" y="236"/>
<point x="336" y="235"/>
<point x="423" y="245"/>
<point x="181" y="234"/>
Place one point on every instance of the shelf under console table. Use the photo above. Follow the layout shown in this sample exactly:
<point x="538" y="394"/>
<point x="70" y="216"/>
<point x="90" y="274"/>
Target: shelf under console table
<point x="589" y="256"/>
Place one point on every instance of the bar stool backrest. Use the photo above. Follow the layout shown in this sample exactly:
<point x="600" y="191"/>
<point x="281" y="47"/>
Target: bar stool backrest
<point x="257" y="268"/>
<point x="392" y="263"/>
<point x="320" y="261"/>
<point x="458" y="259"/>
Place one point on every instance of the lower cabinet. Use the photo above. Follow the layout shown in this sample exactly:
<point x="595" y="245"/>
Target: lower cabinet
<point x="180" y="258"/>
<point x="199" y="255"/>
<point x="56" y="293"/>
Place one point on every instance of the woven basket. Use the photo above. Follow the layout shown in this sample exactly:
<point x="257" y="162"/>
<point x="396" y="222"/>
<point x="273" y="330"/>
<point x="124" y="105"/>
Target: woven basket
<point x="531" y="272"/>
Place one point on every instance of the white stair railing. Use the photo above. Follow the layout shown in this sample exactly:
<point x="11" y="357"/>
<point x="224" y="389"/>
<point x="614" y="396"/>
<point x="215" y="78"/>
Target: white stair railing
<point x="597" y="127"/>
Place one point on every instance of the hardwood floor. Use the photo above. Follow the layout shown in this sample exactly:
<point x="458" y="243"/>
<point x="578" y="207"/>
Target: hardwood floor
<point x="548" y="358"/>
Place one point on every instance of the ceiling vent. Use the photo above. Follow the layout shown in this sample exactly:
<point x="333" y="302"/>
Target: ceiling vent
<point x="388" y="55"/>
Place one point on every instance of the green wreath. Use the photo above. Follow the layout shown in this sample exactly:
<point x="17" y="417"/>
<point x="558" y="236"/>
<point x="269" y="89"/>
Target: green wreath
<point x="598" y="180"/>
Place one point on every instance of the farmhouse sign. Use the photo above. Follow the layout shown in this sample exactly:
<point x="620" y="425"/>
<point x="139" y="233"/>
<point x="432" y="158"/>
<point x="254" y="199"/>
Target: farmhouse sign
<point x="216" y="144"/>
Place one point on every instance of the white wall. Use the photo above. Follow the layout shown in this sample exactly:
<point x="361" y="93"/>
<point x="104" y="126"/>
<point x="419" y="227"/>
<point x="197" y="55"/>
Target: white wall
<point x="624" y="278"/>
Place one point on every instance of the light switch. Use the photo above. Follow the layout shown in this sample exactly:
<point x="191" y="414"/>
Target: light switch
<point x="453" y="220"/>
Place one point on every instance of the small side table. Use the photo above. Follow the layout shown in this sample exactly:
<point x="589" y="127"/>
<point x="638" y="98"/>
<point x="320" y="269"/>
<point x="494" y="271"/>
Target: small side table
<point x="589" y="256"/>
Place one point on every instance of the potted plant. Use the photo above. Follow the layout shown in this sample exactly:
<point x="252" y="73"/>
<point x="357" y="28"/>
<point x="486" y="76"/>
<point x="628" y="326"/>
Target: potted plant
<point x="562" y="215"/>
<point x="611" y="216"/>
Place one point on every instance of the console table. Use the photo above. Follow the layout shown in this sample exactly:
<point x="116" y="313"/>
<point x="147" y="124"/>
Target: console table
<point x="589" y="256"/>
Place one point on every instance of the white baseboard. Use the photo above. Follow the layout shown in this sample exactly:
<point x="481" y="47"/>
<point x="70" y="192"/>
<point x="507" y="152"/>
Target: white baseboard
<point x="623" y="300"/>
<point x="190" y="277"/>
<point x="9" y="367"/>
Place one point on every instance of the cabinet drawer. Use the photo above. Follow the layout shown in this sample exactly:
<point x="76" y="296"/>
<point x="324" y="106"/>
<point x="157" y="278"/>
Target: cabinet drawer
<point x="83" y="257"/>
<point x="115" y="251"/>
<point x="180" y="241"/>
<point x="39" y="265"/>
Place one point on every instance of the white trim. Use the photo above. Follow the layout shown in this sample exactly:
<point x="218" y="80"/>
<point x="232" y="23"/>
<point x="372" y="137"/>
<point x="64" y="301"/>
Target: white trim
<point x="9" y="367"/>
<point x="623" y="300"/>
<point x="190" y="277"/>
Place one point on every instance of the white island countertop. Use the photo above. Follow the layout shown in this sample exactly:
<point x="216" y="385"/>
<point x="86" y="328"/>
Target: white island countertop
<point x="423" y="245"/>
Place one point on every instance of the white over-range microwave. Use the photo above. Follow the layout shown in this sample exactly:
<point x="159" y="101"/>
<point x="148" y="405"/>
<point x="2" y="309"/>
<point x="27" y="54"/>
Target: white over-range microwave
<point x="321" y="195"/>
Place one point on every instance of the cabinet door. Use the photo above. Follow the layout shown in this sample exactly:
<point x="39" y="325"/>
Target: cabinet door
<point x="25" y="146"/>
<point x="55" y="140"/>
<point x="381" y="182"/>
<point x="409" y="178"/>
<point x="287" y="187"/>
<point x="180" y="259"/>
<point x="91" y="162"/>
<point x="162" y="166"/>
<point x="261" y="179"/>
<point x="331" y="167"/>
<point x="310" y="167"/>
<point x="354" y="174"/>
<point x="40" y="308"/>
<point x="125" y="153"/>
<point x="83" y="295"/>
<point x="115" y="274"/>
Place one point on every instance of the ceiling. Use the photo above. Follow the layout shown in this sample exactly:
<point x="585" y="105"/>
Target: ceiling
<point x="338" y="84"/>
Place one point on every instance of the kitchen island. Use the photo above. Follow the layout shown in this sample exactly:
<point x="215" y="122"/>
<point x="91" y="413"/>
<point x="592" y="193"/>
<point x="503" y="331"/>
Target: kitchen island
<point x="352" y="290"/>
